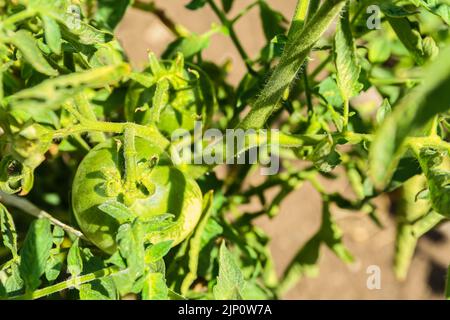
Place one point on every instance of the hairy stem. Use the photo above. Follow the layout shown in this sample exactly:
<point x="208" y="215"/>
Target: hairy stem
<point x="290" y="64"/>
<point x="29" y="208"/>
<point x="68" y="284"/>
<point x="150" y="132"/>
<point x="130" y="158"/>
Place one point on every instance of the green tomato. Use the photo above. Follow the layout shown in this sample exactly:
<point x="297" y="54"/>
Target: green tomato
<point x="159" y="190"/>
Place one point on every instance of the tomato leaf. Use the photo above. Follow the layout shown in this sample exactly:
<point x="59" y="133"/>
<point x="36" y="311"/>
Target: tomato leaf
<point x="195" y="243"/>
<point x="227" y="5"/>
<point x="8" y="230"/>
<point x="195" y="4"/>
<point x="54" y="266"/>
<point x="117" y="210"/>
<point x="52" y="93"/>
<point x="35" y="253"/>
<point x="74" y="260"/>
<point x="384" y="110"/>
<point x="410" y="37"/>
<point x="347" y="66"/>
<point x="157" y="251"/>
<point x="26" y="43"/>
<point x="412" y="113"/>
<point x="131" y="247"/>
<point x="53" y="36"/>
<point x="155" y="287"/>
<point x="230" y="281"/>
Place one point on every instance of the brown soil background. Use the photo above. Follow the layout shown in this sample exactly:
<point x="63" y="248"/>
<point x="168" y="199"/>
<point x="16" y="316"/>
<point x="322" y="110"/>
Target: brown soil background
<point x="299" y="217"/>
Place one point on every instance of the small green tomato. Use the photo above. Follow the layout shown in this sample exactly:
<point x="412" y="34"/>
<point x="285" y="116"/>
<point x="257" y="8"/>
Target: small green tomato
<point x="158" y="189"/>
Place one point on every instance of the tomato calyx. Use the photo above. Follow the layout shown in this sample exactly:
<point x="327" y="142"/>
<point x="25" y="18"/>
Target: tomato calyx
<point x="130" y="186"/>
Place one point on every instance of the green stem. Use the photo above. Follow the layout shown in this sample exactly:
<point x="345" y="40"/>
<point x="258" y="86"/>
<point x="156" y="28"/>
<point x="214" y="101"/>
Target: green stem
<point x="290" y="63"/>
<point x="29" y="208"/>
<point x="434" y="126"/>
<point x="426" y="223"/>
<point x="298" y="21"/>
<point x="307" y="89"/>
<point x="346" y="114"/>
<point x="393" y="81"/>
<point x="130" y="158"/>
<point x="87" y="111"/>
<point x="67" y="284"/>
<point x="150" y="132"/>
<point x="244" y="12"/>
<point x="22" y="15"/>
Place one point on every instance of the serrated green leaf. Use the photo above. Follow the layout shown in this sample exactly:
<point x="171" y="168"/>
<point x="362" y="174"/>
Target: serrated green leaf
<point x="35" y="253"/>
<point x="155" y="287"/>
<point x="157" y="251"/>
<point x="26" y="43"/>
<point x="58" y="235"/>
<point x="74" y="260"/>
<point x="413" y="112"/>
<point x="410" y="37"/>
<point x="158" y="223"/>
<point x="8" y="230"/>
<point x="54" y="266"/>
<point x="324" y="156"/>
<point x="440" y="8"/>
<point x="160" y="99"/>
<point x="130" y="242"/>
<point x="195" y="243"/>
<point x="230" y="281"/>
<point x="53" y="36"/>
<point x="52" y="93"/>
<point x="330" y="92"/>
<point x="383" y="111"/>
<point x="347" y="65"/>
<point x="10" y="279"/>
<point x="100" y="289"/>
<point x="117" y="210"/>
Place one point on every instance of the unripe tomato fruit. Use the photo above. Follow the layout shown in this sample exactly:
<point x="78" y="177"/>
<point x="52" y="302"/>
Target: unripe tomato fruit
<point x="162" y="189"/>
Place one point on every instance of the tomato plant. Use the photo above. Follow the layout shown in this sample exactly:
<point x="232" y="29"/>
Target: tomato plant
<point x="93" y="205"/>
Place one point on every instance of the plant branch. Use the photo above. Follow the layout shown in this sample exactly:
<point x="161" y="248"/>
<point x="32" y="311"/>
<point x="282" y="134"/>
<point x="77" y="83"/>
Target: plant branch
<point x="29" y="208"/>
<point x="290" y="64"/>
<point x="150" y="132"/>
<point x="68" y="284"/>
<point x="244" y="12"/>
